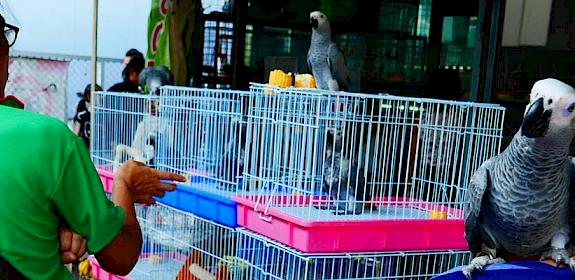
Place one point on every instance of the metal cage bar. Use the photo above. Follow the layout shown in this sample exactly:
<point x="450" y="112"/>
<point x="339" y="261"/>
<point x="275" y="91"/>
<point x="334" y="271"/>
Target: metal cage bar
<point x="266" y="259"/>
<point x="209" y="140"/>
<point x="125" y="126"/>
<point x="323" y="156"/>
<point x="179" y="245"/>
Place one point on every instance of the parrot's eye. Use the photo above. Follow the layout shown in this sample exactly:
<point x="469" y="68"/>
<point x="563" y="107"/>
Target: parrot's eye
<point x="321" y="16"/>
<point x="549" y="101"/>
<point x="571" y="108"/>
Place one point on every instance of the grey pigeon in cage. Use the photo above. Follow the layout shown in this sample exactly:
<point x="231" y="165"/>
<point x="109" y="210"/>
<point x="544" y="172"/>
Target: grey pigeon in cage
<point x="517" y="203"/>
<point x="342" y="179"/>
<point x="325" y="59"/>
<point x="152" y="78"/>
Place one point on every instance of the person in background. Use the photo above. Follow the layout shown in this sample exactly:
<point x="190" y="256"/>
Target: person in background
<point x="131" y="53"/>
<point x="52" y="202"/>
<point x="82" y="117"/>
<point x="130" y="76"/>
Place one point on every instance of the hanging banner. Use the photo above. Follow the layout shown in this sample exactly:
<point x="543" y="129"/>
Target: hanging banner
<point x="158" y="35"/>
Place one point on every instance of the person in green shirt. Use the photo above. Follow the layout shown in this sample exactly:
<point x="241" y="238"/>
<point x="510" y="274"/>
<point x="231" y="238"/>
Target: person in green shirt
<point x="52" y="203"/>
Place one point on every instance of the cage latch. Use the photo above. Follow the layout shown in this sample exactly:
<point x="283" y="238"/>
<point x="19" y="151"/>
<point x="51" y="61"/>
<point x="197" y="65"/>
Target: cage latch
<point x="267" y="218"/>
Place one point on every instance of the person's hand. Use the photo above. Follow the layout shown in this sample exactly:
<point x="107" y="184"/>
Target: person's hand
<point x="72" y="245"/>
<point x="144" y="182"/>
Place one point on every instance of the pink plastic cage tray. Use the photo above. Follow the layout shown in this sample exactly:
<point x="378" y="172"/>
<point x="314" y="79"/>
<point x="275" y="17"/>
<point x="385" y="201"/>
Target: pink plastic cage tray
<point x="100" y="274"/>
<point x="337" y="236"/>
<point x="170" y="267"/>
<point x="107" y="178"/>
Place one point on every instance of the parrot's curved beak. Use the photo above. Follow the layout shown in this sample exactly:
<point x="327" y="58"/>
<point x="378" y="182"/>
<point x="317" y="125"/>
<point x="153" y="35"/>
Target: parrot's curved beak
<point x="536" y="120"/>
<point x="313" y="22"/>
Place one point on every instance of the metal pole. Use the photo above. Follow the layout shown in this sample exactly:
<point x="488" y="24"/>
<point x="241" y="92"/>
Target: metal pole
<point x="477" y="71"/>
<point x="94" y="46"/>
<point x="94" y="68"/>
<point x="495" y="33"/>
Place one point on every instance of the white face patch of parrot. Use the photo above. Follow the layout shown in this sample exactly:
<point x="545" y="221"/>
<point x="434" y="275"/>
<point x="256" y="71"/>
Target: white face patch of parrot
<point x="559" y="98"/>
<point x="318" y="19"/>
<point x="154" y="86"/>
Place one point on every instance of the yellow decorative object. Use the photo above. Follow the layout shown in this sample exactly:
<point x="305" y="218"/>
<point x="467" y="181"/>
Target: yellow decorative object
<point x="304" y="81"/>
<point x="154" y="259"/>
<point x="437" y="215"/>
<point x="279" y="78"/>
<point x="234" y="262"/>
<point x="85" y="268"/>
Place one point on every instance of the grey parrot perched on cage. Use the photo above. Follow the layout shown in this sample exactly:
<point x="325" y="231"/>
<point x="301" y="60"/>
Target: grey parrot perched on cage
<point x="343" y="179"/>
<point x="152" y="78"/>
<point x="517" y="202"/>
<point x="324" y="58"/>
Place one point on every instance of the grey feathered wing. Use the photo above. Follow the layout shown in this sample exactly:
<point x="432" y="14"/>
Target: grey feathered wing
<point x="572" y="204"/>
<point x="309" y="68"/>
<point x="475" y="199"/>
<point x="337" y="66"/>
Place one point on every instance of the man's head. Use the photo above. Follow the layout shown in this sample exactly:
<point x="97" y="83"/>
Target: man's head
<point x="4" y="58"/>
<point x="7" y="39"/>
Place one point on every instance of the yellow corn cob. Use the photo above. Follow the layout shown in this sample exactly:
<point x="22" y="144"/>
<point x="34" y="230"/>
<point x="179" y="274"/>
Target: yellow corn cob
<point x="304" y="81"/>
<point x="289" y="80"/>
<point x="280" y="79"/>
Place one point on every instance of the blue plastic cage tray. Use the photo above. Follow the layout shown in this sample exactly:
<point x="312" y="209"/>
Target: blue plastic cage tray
<point x="529" y="270"/>
<point x="209" y="205"/>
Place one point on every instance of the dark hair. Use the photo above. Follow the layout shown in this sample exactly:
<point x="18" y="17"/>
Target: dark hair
<point x="136" y="64"/>
<point x="88" y="89"/>
<point x="133" y="53"/>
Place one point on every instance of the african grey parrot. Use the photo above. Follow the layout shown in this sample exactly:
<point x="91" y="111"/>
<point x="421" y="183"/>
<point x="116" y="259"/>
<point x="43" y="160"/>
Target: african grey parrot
<point x="152" y="78"/>
<point x="518" y="201"/>
<point x="324" y="58"/>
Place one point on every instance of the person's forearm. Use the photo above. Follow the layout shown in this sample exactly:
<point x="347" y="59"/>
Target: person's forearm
<point x="122" y="196"/>
<point x="120" y="256"/>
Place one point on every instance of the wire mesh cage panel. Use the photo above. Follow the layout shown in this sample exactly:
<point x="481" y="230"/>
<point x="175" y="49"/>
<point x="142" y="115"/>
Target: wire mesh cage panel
<point x="179" y="245"/>
<point x="126" y="126"/>
<point x="209" y="146"/>
<point x="266" y="259"/>
<point x="318" y="156"/>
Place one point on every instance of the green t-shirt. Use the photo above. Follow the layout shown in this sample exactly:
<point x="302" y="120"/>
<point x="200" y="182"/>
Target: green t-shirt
<point x="47" y="176"/>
